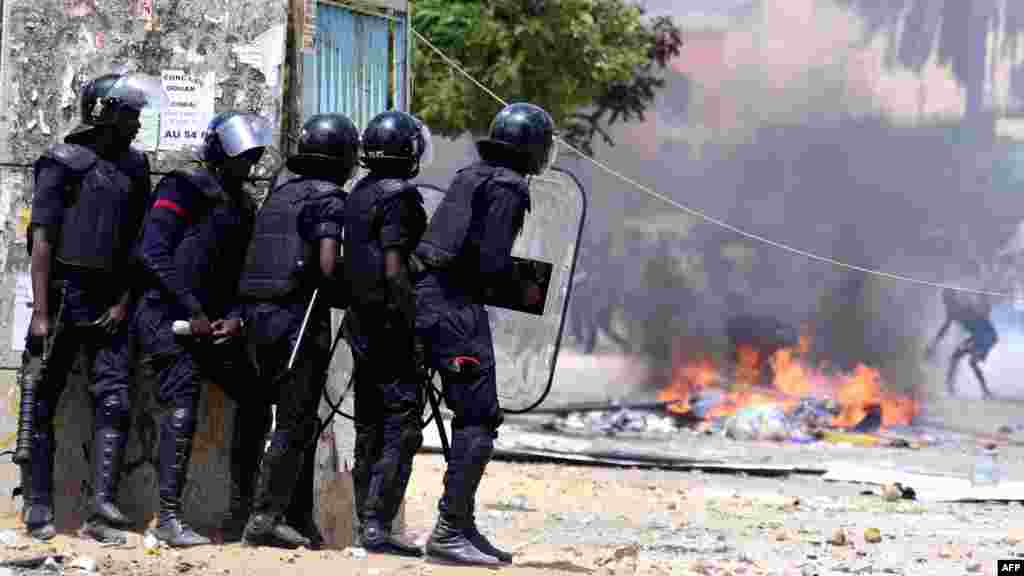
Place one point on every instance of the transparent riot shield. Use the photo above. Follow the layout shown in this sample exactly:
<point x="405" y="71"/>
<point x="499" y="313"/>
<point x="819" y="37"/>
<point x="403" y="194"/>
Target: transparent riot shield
<point x="526" y="345"/>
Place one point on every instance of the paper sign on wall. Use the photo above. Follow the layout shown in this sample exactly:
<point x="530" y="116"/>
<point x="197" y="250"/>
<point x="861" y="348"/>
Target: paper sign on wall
<point x="22" y="314"/>
<point x="149" y="134"/>
<point x="183" y="123"/>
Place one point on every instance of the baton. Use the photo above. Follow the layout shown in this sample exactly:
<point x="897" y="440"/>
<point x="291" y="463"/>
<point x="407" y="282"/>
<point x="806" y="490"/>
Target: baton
<point x="302" y="329"/>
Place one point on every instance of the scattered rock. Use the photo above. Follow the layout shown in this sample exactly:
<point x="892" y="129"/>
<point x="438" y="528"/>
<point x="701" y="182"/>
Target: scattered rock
<point x="891" y="493"/>
<point x="872" y="535"/>
<point x="84" y="563"/>
<point x="353" y="552"/>
<point x="838" y="538"/>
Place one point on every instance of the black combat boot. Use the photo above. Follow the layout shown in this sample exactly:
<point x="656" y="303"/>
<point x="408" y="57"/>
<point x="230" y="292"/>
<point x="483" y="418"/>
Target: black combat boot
<point x="106" y="521"/>
<point x="176" y="431"/>
<point x="465" y="467"/>
<point x="388" y="484"/>
<point x="300" y="512"/>
<point x="266" y="526"/>
<point x="248" y="439"/>
<point x="365" y="453"/>
<point x="473" y="533"/>
<point x="38" y="515"/>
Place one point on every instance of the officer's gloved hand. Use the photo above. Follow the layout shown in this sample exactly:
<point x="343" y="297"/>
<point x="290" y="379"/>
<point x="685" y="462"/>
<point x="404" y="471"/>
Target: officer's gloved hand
<point x="200" y="326"/>
<point x="401" y="297"/>
<point x="533" y="296"/>
<point x="111" y="320"/>
<point x="226" y="328"/>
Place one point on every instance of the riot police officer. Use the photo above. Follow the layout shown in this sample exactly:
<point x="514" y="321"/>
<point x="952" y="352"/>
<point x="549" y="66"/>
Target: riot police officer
<point x="293" y="251"/>
<point x="384" y="219"/>
<point x="466" y="256"/>
<point x="193" y="246"/>
<point x="90" y="198"/>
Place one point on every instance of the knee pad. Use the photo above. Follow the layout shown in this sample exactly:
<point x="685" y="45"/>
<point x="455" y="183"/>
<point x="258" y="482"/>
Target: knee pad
<point x="113" y="410"/>
<point x="411" y="440"/>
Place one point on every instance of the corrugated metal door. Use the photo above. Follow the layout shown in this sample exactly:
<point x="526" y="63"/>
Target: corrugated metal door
<point x="359" y="66"/>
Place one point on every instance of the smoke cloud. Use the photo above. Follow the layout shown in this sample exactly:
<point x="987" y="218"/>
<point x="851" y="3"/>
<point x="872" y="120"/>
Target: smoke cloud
<point x="856" y="129"/>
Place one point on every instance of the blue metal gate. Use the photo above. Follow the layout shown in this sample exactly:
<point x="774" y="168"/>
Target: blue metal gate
<point x="359" y="66"/>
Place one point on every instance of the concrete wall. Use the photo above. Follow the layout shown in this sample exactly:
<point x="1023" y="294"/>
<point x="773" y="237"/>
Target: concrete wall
<point x="49" y="48"/>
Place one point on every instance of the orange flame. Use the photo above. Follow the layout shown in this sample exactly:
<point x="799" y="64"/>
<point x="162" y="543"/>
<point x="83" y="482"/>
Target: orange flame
<point x="856" y="392"/>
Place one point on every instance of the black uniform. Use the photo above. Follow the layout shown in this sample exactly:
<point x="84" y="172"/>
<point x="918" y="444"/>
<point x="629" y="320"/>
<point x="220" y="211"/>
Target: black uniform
<point x="193" y="247"/>
<point x="466" y="252"/>
<point x="382" y="214"/>
<point x="92" y="207"/>
<point x="384" y="219"/>
<point x="277" y="283"/>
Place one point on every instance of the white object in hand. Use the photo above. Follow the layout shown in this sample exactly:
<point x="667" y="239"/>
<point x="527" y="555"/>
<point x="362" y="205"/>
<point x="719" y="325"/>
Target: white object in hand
<point x="182" y="328"/>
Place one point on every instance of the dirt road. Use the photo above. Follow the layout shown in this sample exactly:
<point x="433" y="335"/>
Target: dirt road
<point x="574" y="520"/>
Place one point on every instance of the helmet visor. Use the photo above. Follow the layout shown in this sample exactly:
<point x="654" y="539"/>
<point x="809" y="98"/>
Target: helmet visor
<point x="426" y="145"/>
<point x="138" y="91"/>
<point x="243" y="132"/>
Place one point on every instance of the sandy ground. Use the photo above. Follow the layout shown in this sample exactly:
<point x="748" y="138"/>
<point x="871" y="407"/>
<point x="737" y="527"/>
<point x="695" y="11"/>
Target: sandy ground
<point x="577" y="520"/>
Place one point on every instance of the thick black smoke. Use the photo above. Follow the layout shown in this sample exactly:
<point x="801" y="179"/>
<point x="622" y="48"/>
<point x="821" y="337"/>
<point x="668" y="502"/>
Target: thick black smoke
<point x="820" y="159"/>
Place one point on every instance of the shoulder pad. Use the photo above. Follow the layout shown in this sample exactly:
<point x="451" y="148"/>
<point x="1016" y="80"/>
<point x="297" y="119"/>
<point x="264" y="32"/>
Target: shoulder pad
<point x="137" y="157"/>
<point x="201" y="179"/>
<point x="512" y="179"/>
<point x="137" y="163"/>
<point x="389" y="188"/>
<point x="322" y="188"/>
<point x="75" y="157"/>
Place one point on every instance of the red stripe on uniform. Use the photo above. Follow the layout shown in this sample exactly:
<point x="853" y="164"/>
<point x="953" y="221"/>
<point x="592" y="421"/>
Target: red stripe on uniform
<point x="170" y="205"/>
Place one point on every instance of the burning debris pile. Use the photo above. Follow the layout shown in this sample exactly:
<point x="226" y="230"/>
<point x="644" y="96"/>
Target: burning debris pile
<point x="772" y="393"/>
<point x="779" y="395"/>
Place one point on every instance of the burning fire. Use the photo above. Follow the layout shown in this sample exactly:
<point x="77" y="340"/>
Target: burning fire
<point x="856" y="392"/>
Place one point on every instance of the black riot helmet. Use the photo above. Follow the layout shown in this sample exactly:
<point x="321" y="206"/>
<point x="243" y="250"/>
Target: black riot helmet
<point x="522" y="137"/>
<point x="104" y="98"/>
<point x="397" y="145"/>
<point x="328" y="147"/>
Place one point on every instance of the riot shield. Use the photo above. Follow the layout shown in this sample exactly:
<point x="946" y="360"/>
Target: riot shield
<point x="526" y="343"/>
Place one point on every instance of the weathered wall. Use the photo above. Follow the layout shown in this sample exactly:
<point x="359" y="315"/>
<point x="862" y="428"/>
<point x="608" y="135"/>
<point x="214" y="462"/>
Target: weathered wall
<point x="49" y="48"/>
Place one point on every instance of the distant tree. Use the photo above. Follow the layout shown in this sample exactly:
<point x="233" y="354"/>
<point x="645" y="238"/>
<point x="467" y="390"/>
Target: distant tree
<point x="590" y="63"/>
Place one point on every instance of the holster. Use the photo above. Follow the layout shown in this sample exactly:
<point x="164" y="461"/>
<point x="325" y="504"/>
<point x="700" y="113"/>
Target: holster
<point x="29" y="385"/>
<point x="26" y="418"/>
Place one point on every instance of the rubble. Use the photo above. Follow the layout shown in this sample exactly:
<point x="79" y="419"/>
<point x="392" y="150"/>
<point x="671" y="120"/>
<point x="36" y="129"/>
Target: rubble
<point x="804" y="421"/>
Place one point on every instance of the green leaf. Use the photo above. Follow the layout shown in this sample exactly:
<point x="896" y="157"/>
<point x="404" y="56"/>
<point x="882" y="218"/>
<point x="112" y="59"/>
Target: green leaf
<point x="567" y="56"/>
